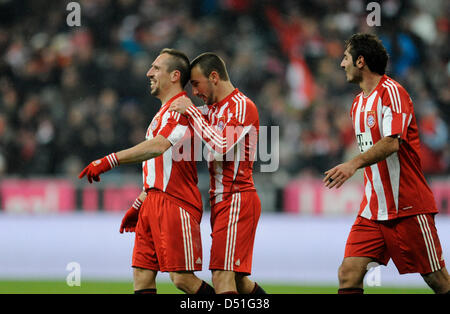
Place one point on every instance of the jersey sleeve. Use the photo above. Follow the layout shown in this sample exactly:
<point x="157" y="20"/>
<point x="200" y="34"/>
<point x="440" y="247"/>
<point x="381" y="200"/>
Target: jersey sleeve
<point x="229" y="130"/>
<point x="175" y="128"/>
<point x="396" y="111"/>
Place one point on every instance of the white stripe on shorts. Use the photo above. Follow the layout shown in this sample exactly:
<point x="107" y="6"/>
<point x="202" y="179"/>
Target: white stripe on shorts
<point x="187" y="239"/>
<point x="429" y="243"/>
<point x="232" y="231"/>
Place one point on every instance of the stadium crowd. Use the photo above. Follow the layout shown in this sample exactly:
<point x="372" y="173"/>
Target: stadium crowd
<point x="69" y="94"/>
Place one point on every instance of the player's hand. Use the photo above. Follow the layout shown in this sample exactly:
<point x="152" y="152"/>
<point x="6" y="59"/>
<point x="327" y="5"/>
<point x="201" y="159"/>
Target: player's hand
<point x="180" y="104"/>
<point x="130" y="219"/>
<point x="336" y="176"/>
<point x="97" y="167"/>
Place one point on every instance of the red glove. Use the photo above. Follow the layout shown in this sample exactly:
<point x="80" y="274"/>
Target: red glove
<point x="130" y="219"/>
<point x="97" y="167"/>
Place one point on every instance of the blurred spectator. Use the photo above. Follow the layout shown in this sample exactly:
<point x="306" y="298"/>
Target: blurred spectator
<point x="68" y="94"/>
<point x="434" y="137"/>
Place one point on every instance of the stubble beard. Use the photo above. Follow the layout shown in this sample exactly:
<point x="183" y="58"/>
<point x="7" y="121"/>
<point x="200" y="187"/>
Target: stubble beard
<point x="356" y="78"/>
<point x="155" y="92"/>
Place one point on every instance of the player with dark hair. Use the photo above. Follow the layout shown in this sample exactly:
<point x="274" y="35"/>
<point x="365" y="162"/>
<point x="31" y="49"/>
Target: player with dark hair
<point x="229" y="126"/>
<point x="396" y="216"/>
<point x="166" y="215"/>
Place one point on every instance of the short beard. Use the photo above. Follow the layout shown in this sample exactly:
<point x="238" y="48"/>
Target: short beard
<point x="357" y="78"/>
<point x="155" y="92"/>
<point x="210" y="100"/>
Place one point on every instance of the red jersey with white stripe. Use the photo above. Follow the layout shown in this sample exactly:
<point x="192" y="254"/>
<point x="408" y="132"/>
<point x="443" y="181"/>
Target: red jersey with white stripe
<point x="230" y="130"/>
<point x="394" y="187"/>
<point x="168" y="172"/>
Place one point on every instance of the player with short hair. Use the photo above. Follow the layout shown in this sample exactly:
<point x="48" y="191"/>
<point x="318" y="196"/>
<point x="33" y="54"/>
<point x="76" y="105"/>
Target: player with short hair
<point x="229" y="126"/>
<point x="396" y="216"/>
<point x="166" y="215"/>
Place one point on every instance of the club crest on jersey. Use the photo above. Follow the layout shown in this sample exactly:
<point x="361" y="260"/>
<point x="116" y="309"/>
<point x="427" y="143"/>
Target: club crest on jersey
<point x="220" y="124"/>
<point x="154" y="123"/>
<point x="371" y="119"/>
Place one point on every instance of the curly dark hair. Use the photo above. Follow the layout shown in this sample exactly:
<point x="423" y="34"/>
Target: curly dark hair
<point x="371" y="48"/>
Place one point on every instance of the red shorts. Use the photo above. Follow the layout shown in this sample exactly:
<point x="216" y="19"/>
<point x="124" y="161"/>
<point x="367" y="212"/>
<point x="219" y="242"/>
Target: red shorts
<point x="412" y="243"/>
<point x="167" y="236"/>
<point x="233" y="223"/>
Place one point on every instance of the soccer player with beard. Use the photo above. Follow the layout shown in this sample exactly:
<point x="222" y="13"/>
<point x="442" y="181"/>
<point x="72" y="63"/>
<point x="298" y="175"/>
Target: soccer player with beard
<point x="229" y="126"/>
<point x="396" y="215"/>
<point x="166" y="215"/>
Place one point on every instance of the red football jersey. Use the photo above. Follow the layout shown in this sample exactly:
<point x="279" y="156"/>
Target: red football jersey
<point x="169" y="173"/>
<point x="396" y="186"/>
<point x="230" y="130"/>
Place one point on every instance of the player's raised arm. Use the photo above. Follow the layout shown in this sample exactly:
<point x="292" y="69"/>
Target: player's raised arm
<point x="143" y="151"/>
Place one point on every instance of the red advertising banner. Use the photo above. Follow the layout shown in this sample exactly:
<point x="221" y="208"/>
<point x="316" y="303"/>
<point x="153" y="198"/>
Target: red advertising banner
<point x="120" y="198"/>
<point x="309" y="196"/>
<point x="37" y="195"/>
<point x="62" y="195"/>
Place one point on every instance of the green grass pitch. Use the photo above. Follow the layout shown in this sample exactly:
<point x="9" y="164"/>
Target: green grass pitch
<point x="114" y="287"/>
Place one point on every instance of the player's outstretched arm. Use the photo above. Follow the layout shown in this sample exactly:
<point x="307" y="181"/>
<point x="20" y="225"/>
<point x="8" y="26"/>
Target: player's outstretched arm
<point x="336" y="176"/>
<point x="130" y="219"/>
<point x="143" y="151"/>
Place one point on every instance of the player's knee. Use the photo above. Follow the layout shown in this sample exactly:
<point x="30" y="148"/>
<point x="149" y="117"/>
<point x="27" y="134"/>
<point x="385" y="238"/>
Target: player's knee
<point x="342" y="272"/>
<point x="438" y="281"/>
<point x="177" y="280"/>
<point x="144" y="278"/>
<point x="180" y="280"/>
<point x="347" y="276"/>
<point x="223" y="278"/>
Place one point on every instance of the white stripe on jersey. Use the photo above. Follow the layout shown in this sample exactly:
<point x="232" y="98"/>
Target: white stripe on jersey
<point x="379" y="191"/>
<point x="397" y="94"/>
<point x="366" y="213"/>
<point x="393" y="95"/>
<point x="393" y="165"/>
<point x="167" y="168"/>
<point x="404" y="117"/>
<point x="177" y="133"/>
<point x="232" y="231"/>
<point x="187" y="239"/>
<point x="429" y="243"/>
<point x="151" y="169"/>
<point x="237" y="156"/>
<point x="370" y="101"/>
<point x="406" y="120"/>
<point x="358" y="115"/>
<point x="379" y="110"/>
<point x="387" y="121"/>
<point x="238" y="110"/>
<point x="222" y="109"/>
<point x="245" y="108"/>
<point x="218" y="181"/>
